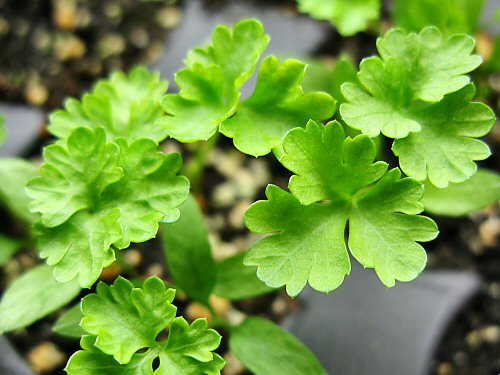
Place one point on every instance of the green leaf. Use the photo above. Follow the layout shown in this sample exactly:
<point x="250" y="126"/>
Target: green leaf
<point x="68" y="324"/>
<point x="92" y="361"/>
<point x="188" y="349"/>
<point x="125" y="319"/>
<point x="235" y="281"/>
<point x="413" y="67"/>
<point x="3" y="130"/>
<point x="445" y="149"/>
<point x="434" y="66"/>
<point x="81" y="246"/>
<point x="188" y="252"/>
<point x="336" y="183"/>
<point x="18" y="172"/>
<point x="418" y="93"/>
<point x="344" y="71"/>
<point x="126" y="106"/>
<point x="267" y="349"/>
<point x="479" y="191"/>
<point x="149" y="192"/>
<point x="195" y="113"/>
<point x="236" y="53"/>
<point x="94" y="194"/>
<point x="74" y="176"/>
<point x="349" y="16"/>
<point x="276" y="106"/>
<point x="450" y="16"/>
<point x="33" y="296"/>
<point x="8" y="247"/>
<point x="210" y="84"/>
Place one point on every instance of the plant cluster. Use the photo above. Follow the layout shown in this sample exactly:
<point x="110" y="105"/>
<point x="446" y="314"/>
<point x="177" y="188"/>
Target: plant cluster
<point x="105" y="184"/>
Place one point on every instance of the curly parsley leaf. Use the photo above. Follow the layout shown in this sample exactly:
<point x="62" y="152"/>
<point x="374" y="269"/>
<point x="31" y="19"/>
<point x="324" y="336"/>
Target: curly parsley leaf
<point x="277" y="105"/>
<point x="413" y="67"/>
<point x="124" y="320"/>
<point x="450" y="16"/>
<point x="211" y="81"/>
<point x="338" y="184"/>
<point x="479" y="191"/>
<point x="74" y="175"/>
<point x="81" y="246"/>
<point x="418" y="93"/>
<point x="434" y="66"/>
<point x="92" y="194"/>
<point x="209" y="99"/>
<point x="349" y="16"/>
<point x="127" y="106"/>
<point x="149" y="192"/>
<point x="445" y="148"/>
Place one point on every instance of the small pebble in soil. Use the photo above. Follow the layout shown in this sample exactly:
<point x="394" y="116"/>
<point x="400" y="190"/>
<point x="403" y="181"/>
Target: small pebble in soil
<point x="109" y="274"/>
<point x="445" y="368"/>
<point x="46" y="357"/>
<point x="196" y="310"/>
<point x="489" y="231"/>
<point x="4" y="26"/>
<point x="64" y="14"/>
<point x="69" y="47"/>
<point x="220" y="305"/>
<point x="224" y="195"/>
<point x="133" y="257"/>
<point x="156" y="269"/>
<point x="233" y="365"/>
<point x="235" y="317"/>
<point x="490" y="334"/>
<point x="36" y="93"/>
<point x="111" y="44"/>
<point x="168" y="17"/>
<point x="235" y="217"/>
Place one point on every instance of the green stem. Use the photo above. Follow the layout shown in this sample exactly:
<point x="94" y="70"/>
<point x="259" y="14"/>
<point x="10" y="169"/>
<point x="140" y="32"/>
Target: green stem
<point x="195" y="168"/>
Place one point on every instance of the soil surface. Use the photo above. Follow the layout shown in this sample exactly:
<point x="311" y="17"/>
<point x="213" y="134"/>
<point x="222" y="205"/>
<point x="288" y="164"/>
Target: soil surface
<point x="51" y="49"/>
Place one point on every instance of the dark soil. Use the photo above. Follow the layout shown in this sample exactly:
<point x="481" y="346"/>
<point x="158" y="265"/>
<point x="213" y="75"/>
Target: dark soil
<point x="33" y="64"/>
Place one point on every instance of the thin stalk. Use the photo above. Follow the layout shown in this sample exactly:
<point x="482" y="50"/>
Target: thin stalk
<point x="195" y="169"/>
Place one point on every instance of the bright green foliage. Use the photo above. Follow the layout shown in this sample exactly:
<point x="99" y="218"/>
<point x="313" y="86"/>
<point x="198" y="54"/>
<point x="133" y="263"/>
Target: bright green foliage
<point x="445" y="148"/>
<point x="125" y="319"/>
<point x="3" y="131"/>
<point x="336" y="183"/>
<point x="12" y="194"/>
<point x="92" y="194"/>
<point x="267" y="349"/>
<point x="126" y="106"/>
<point x="8" y="247"/>
<point x="450" y="16"/>
<point x="479" y="191"/>
<point x="188" y="252"/>
<point x="33" y="296"/>
<point x="349" y="16"/>
<point x="344" y="71"/>
<point x="235" y="281"/>
<point x="68" y="323"/>
<point x="74" y="176"/>
<point x="418" y="93"/>
<point x="276" y="106"/>
<point x="211" y="81"/>
<point x="209" y="96"/>
<point x="190" y="261"/>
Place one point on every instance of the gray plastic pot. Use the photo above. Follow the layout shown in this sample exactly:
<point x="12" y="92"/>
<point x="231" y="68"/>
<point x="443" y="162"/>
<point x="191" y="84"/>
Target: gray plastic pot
<point x="365" y="328"/>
